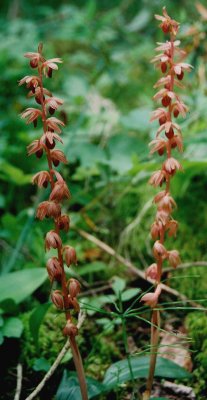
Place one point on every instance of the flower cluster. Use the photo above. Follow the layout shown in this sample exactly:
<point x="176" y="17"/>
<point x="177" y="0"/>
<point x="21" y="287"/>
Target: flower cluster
<point x="66" y="298"/>
<point x="168" y="137"/>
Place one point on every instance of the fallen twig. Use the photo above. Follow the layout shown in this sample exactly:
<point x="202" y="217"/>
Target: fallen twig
<point x="54" y="366"/>
<point x="131" y="267"/>
<point x="19" y="382"/>
<point x="187" y="265"/>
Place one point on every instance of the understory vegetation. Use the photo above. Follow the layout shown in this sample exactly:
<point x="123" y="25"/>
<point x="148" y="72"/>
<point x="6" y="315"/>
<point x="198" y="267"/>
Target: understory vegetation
<point x="106" y="82"/>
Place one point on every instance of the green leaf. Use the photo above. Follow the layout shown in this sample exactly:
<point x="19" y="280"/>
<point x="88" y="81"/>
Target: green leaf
<point x="19" y="285"/>
<point x="118" y="285"/>
<point x="41" y="364"/>
<point x="36" y="319"/>
<point x="69" y="388"/>
<point x="13" y="327"/>
<point x="96" y="266"/>
<point x="10" y="173"/>
<point x="130" y="293"/>
<point x="139" y="21"/>
<point x="9" y="306"/>
<point x="119" y="372"/>
<point x="137" y="119"/>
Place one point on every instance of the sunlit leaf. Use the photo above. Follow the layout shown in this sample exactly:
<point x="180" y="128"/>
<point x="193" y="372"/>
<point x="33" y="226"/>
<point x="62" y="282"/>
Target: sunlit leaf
<point x="19" y="285"/>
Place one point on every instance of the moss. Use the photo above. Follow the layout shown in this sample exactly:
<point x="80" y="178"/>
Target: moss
<point x="51" y="339"/>
<point x="197" y="327"/>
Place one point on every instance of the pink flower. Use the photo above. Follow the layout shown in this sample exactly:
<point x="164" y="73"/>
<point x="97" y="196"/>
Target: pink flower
<point x="168" y="25"/>
<point x="52" y="240"/>
<point x="171" y="165"/>
<point x="151" y="299"/>
<point x="174" y="258"/>
<point x="48" y="209"/>
<point x="172" y="227"/>
<point x="157" y="178"/>
<point x="31" y="114"/>
<point x="159" y="250"/>
<point x="52" y="123"/>
<point x="36" y="147"/>
<point x="151" y="272"/>
<point x="58" y="156"/>
<point x="41" y="179"/>
<point x="60" y="191"/>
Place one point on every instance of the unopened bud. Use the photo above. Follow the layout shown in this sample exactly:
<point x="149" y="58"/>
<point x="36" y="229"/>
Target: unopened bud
<point x="54" y="269"/>
<point x="57" y="299"/>
<point x="74" y="287"/>
<point x="70" y="255"/>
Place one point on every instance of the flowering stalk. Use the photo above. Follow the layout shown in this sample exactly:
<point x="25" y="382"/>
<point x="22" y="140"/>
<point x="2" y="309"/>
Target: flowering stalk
<point x="66" y="298"/>
<point x="168" y="137"/>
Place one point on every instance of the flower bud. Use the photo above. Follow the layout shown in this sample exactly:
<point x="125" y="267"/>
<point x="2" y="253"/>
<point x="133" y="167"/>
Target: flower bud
<point x="57" y="299"/>
<point x="70" y="329"/>
<point x="174" y="258"/>
<point x="159" y="250"/>
<point x="64" y="223"/>
<point x="151" y="271"/>
<point x="52" y="240"/>
<point x="73" y="303"/>
<point x="54" y="269"/>
<point x="74" y="287"/>
<point x="70" y="255"/>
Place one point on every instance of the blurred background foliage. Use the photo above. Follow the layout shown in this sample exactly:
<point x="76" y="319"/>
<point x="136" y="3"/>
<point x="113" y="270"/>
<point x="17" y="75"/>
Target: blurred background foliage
<point x="106" y="82"/>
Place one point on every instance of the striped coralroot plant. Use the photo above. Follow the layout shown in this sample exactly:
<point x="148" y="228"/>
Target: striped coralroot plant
<point x="168" y="137"/>
<point x="64" y="298"/>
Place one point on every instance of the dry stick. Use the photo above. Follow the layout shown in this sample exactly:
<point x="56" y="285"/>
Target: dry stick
<point x="187" y="265"/>
<point x="108" y="249"/>
<point x="58" y="360"/>
<point x="19" y="382"/>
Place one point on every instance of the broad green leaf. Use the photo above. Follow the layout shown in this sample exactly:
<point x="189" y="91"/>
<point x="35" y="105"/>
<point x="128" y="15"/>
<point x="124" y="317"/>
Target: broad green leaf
<point x="95" y="266"/>
<point x="139" y="21"/>
<point x="119" y="372"/>
<point x="41" y="364"/>
<point x="36" y="320"/>
<point x="130" y="293"/>
<point x="19" y="285"/>
<point x="118" y="285"/>
<point x="13" y="327"/>
<point x="122" y="148"/>
<point x="137" y="119"/>
<point x="9" y="306"/>
<point x="69" y="388"/>
<point x="10" y="173"/>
